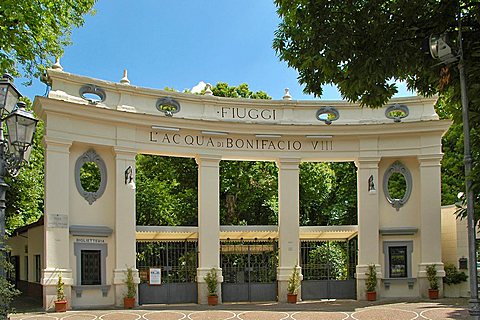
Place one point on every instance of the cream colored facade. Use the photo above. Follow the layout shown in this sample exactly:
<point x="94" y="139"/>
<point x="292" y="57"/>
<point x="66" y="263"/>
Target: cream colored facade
<point x="211" y="129"/>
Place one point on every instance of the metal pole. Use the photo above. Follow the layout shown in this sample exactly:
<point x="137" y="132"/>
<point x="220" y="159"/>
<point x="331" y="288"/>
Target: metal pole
<point x="474" y="309"/>
<point x="3" y="189"/>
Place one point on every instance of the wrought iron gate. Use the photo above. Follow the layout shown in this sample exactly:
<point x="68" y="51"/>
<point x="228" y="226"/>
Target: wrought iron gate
<point x="249" y="270"/>
<point x="328" y="269"/>
<point x="178" y="264"/>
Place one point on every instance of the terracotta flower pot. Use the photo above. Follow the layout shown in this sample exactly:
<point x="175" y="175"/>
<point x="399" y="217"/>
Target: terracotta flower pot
<point x="433" y="293"/>
<point x="291" y="298"/>
<point x="128" y="303"/>
<point x="61" y="306"/>
<point x="371" y="295"/>
<point x="212" y="300"/>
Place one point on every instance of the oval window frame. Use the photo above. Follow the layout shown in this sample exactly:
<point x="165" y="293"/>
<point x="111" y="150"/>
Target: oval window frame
<point x="168" y="101"/>
<point x="398" y="167"/>
<point x="397" y="107"/>
<point x="327" y="110"/>
<point x="92" y="89"/>
<point x="91" y="156"/>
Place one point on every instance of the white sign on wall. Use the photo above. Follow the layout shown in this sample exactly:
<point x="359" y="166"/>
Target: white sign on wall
<point x="57" y="221"/>
<point x="155" y="276"/>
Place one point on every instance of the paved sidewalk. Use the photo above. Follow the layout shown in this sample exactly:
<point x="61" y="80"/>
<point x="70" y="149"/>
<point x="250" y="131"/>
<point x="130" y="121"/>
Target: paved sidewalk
<point x="308" y="310"/>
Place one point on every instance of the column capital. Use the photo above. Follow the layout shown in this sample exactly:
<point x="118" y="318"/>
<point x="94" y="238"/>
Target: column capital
<point x="209" y="160"/>
<point x="57" y="144"/>
<point x="367" y="162"/>
<point x="288" y="163"/>
<point x="430" y="160"/>
<point x="123" y="153"/>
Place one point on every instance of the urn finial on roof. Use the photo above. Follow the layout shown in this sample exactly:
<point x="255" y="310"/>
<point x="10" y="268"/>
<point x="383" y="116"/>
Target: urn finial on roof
<point x="125" y="80"/>
<point x="57" y="65"/>
<point x="208" y="90"/>
<point x="287" y="95"/>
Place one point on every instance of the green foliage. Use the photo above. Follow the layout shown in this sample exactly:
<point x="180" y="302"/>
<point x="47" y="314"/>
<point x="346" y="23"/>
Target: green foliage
<point x="25" y="195"/>
<point x="328" y="193"/>
<point x="453" y="172"/>
<point x="131" y="287"/>
<point x="60" y="288"/>
<point x="33" y="32"/>
<point x="371" y="282"/>
<point x="7" y="289"/>
<point x="397" y="185"/>
<point x="452" y="275"/>
<point x="166" y="190"/>
<point x="432" y="276"/>
<point x="332" y="254"/>
<point x="248" y="192"/>
<point x="90" y="177"/>
<point x="363" y="46"/>
<point x="294" y="281"/>
<point x="222" y="89"/>
<point x="212" y="282"/>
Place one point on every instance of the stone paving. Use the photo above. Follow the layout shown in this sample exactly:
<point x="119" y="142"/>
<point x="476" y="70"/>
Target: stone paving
<point x="320" y="310"/>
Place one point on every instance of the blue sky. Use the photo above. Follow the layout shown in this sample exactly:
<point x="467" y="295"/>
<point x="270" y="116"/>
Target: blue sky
<point x="177" y="44"/>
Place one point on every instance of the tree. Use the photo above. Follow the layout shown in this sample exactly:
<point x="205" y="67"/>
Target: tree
<point x="248" y="192"/>
<point x="363" y="46"/>
<point x="25" y="194"/>
<point x="32" y="32"/>
<point x="166" y="192"/>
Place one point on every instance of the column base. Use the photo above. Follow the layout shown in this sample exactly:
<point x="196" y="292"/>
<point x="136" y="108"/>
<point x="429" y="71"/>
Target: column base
<point x="423" y="284"/>
<point x="202" y="295"/>
<point x="49" y="283"/>
<point x="283" y="275"/>
<point x="119" y="286"/>
<point x="361" y="277"/>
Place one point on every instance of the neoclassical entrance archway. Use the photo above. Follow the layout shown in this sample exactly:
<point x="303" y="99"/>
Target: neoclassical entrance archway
<point x="400" y="236"/>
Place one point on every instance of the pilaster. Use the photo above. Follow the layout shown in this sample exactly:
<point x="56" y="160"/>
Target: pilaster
<point x="368" y="220"/>
<point x="208" y="222"/>
<point x="56" y="223"/>
<point x="430" y="219"/>
<point x="288" y="222"/>
<point x="124" y="233"/>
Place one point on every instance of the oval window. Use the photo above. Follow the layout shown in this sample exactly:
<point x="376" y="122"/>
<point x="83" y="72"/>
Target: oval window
<point x="92" y="97"/>
<point x="168" y="106"/>
<point x="92" y="93"/>
<point x="327" y="114"/>
<point x="90" y="177"/>
<point x="397" y="185"/>
<point x="397" y="112"/>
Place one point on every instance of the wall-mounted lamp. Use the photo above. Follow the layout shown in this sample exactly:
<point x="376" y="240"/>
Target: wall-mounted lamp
<point x="129" y="177"/>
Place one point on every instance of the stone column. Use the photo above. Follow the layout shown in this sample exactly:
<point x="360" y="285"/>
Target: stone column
<point x="288" y="223"/>
<point x="208" y="223"/>
<point x="430" y="218"/>
<point x="56" y="223"/>
<point x="368" y="184"/>
<point x="124" y="233"/>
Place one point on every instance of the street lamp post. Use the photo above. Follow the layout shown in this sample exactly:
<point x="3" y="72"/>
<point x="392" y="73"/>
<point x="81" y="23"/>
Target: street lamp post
<point x="474" y="309"/>
<point x="15" y="141"/>
<point x="439" y="49"/>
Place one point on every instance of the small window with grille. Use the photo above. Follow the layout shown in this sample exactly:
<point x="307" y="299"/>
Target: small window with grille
<point x="38" y="268"/>
<point x="398" y="261"/>
<point x="91" y="267"/>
